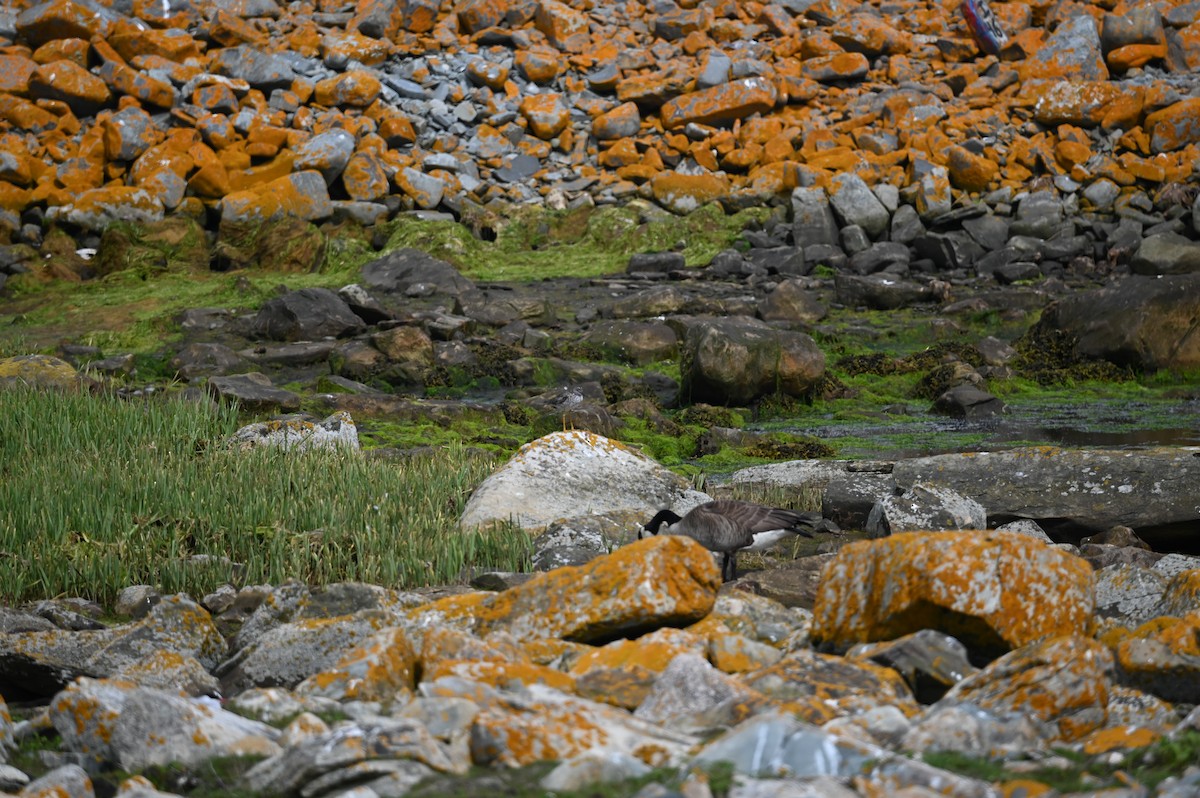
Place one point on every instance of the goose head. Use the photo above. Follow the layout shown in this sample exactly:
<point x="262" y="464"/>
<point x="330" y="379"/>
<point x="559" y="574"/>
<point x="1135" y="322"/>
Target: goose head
<point x="652" y="526"/>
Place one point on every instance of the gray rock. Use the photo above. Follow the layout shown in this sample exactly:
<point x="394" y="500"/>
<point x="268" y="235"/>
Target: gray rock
<point x="733" y="361"/>
<point x="925" y="507"/>
<point x="346" y="754"/>
<point x="574" y="541"/>
<point x="658" y="301"/>
<point x="588" y="769"/>
<point x="969" y="402"/>
<point x="989" y="231"/>
<point x="1039" y="215"/>
<point x="1166" y="253"/>
<point x="290" y="653"/>
<point x="262" y="70"/>
<point x="253" y="391"/>
<point x="930" y="661"/>
<point x="1026" y="527"/>
<point x="305" y="315"/>
<point x="1141" y="322"/>
<point x="1138" y="25"/>
<point x="879" y="291"/>
<point x="397" y="271"/>
<point x="906" y="225"/>
<point x="773" y="745"/>
<point x="812" y="218"/>
<point x="70" y="781"/>
<point x="637" y="343"/>
<point x="965" y="728"/>
<point x="327" y="152"/>
<point x="1128" y="593"/>
<point x="687" y="689"/>
<point x="855" y="203"/>
<point x="949" y="251"/>
<point x="1074" y="46"/>
<point x="206" y="359"/>
<point x="792" y="302"/>
<point x="880" y="256"/>
<point x="1094" y="489"/>
<point x="659" y="262"/>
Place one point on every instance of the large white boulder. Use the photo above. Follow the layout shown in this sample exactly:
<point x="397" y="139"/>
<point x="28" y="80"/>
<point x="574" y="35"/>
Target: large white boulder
<point x="569" y="474"/>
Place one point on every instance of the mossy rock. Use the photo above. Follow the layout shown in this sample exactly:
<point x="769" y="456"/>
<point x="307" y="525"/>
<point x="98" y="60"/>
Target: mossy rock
<point x="287" y="245"/>
<point x="173" y="244"/>
<point x="38" y="371"/>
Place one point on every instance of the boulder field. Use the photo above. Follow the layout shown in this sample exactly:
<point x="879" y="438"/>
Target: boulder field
<point x="257" y="109"/>
<point x="917" y="644"/>
<point x="911" y="652"/>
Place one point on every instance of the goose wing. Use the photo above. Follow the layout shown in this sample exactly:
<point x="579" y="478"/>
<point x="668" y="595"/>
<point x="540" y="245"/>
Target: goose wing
<point x="757" y="518"/>
<point x="715" y="528"/>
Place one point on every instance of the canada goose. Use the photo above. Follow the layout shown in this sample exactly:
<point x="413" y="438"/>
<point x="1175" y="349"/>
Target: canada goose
<point x="728" y="526"/>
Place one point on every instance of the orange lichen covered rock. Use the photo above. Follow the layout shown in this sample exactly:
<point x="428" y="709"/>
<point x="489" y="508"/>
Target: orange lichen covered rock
<point x="969" y="171"/>
<point x="685" y="193"/>
<point x="1061" y="685"/>
<point x="358" y="88"/>
<point x="1087" y="103"/>
<point x="1175" y="126"/>
<point x="724" y="103"/>
<point x="660" y="581"/>
<point x="846" y="686"/>
<point x="15" y="72"/>
<point x="375" y="670"/>
<point x="988" y="589"/>
<point x="622" y="672"/>
<point x="67" y="81"/>
<point x="1162" y="657"/>
<point x="546" y="113"/>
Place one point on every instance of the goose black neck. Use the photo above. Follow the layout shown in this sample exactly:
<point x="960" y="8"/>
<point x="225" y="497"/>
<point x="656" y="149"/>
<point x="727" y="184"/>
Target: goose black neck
<point x="663" y="517"/>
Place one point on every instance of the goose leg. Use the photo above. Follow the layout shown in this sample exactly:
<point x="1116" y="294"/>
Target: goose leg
<point x="728" y="566"/>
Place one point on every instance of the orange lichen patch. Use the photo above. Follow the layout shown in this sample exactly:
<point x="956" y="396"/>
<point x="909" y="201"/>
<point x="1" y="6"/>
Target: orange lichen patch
<point x="15" y="72"/>
<point x="969" y="171"/>
<point x="515" y="740"/>
<point x="724" y="103"/>
<point x="837" y="682"/>
<point x="499" y="673"/>
<point x="1174" y="126"/>
<point x="1121" y="738"/>
<point x="660" y="581"/>
<point x="733" y="653"/>
<point x="988" y="589"/>
<point x="270" y="176"/>
<point x="1163" y="657"/>
<point x="376" y="670"/>
<point x="622" y="672"/>
<point x="1062" y="685"/>
<point x="1024" y="788"/>
<point x="67" y="81"/>
<point x="546" y="113"/>
<point x="1182" y="593"/>
<point x="1132" y="56"/>
<point x="684" y="193"/>
<point x="1086" y="103"/>
<point x="358" y="88"/>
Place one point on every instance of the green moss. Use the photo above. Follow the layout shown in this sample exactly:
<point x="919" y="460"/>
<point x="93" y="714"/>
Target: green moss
<point x="1147" y="766"/>
<point x="535" y="244"/>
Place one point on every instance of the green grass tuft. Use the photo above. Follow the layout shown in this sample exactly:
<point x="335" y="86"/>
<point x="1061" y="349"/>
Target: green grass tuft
<point x="97" y="493"/>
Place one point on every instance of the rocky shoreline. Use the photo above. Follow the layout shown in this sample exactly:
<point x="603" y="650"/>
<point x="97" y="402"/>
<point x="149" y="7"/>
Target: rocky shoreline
<point x="852" y="672"/>
<point x="896" y="169"/>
